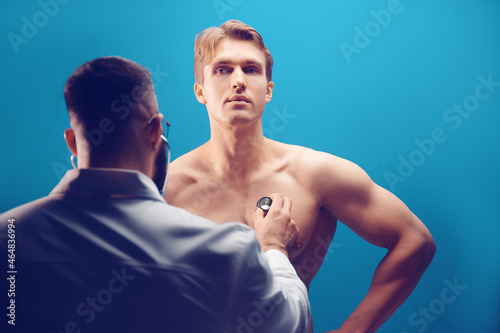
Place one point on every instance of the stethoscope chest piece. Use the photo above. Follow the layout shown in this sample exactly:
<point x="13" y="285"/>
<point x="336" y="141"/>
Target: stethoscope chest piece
<point x="264" y="203"/>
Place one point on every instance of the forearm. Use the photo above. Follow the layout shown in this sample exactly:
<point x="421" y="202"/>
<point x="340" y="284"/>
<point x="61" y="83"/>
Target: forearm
<point x="393" y="281"/>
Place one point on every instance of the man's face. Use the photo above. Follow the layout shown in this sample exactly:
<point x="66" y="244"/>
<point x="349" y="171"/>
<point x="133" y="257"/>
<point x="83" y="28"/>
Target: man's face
<point x="235" y="89"/>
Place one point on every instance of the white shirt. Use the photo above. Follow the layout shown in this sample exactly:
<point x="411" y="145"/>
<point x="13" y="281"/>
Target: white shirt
<point x="104" y="252"/>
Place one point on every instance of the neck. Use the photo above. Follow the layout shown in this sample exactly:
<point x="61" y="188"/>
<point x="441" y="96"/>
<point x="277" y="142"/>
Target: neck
<point x="235" y="151"/>
<point x="115" y="162"/>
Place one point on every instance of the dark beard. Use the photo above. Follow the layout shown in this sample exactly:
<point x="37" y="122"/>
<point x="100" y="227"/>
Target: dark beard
<point x="160" y="172"/>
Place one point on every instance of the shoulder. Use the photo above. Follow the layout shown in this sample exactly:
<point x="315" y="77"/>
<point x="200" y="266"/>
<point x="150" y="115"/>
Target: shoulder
<point x="321" y="167"/>
<point x="27" y="212"/>
<point x="328" y="175"/>
<point x="188" y="161"/>
<point x="184" y="171"/>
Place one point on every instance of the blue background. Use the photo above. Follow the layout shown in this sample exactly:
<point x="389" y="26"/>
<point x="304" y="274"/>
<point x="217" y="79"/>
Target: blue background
<point x="368" y="107"/>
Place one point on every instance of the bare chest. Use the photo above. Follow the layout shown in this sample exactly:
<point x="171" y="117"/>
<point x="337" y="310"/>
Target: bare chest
<point x="236" y="202"/>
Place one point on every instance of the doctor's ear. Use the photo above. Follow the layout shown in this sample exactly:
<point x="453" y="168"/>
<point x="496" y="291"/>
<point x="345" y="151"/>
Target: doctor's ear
<point x="198" y="91"/>
<point x="69" y="136"/>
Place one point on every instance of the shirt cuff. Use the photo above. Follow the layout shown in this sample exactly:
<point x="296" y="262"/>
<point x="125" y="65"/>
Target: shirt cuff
<point x="278" y="260"/>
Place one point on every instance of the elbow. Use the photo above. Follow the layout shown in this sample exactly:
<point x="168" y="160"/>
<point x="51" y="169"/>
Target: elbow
<point x="417" y="246"/>
<point x="425" y="247"/>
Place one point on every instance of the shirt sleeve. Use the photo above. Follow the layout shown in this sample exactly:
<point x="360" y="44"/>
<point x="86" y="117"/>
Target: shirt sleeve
<point x="269" y="296"/>
<point x="292" y="287"/>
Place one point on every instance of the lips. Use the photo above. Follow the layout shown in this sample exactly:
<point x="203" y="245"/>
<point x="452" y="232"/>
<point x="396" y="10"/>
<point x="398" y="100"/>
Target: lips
<point x="239" y="98"/>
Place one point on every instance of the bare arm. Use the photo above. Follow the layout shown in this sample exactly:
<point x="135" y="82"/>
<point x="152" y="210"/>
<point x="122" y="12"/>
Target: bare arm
<point x="382" y="219"/>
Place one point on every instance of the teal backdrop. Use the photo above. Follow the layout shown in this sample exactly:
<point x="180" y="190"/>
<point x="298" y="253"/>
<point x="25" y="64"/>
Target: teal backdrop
<point x="409" y="90"/>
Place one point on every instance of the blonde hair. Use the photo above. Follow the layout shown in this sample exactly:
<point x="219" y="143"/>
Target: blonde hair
<point x="207" y="40"/>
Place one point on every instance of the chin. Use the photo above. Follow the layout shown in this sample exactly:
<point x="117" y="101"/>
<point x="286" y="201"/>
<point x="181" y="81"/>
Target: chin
<point x="239" y="117"/>
<point x="235" y="117"/>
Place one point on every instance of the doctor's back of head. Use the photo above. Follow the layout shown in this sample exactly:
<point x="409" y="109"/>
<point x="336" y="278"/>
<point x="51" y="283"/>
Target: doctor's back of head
<point x="114" y="117"/>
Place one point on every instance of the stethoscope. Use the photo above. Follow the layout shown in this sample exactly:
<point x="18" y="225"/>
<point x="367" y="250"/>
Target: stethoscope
<point x="264" y="203"/>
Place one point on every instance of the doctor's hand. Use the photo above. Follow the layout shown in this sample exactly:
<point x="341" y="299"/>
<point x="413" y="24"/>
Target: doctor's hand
<point x="276" y="230"/>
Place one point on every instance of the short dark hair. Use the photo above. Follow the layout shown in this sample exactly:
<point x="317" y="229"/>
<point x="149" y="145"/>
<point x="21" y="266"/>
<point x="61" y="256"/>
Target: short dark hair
<point x="96" y="91"/>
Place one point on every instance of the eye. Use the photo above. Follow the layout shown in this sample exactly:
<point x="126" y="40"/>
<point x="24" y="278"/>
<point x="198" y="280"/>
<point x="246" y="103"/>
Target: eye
<point x="221" y="70"/>
<point x="252" y="70"/>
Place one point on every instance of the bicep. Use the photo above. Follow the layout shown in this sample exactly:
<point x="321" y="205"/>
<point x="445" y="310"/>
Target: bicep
<point x="371" y="211"/>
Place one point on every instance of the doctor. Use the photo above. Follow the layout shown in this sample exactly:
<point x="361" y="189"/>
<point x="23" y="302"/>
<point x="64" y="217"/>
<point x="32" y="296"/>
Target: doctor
<point x="104" y="252"/>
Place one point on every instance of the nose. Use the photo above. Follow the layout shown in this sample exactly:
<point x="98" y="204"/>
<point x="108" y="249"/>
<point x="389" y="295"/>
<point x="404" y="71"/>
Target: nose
<point x="238" y="81"/>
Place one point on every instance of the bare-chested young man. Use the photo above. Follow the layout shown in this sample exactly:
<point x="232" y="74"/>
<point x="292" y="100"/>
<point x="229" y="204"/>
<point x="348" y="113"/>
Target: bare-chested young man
<point x="222" y="179"/>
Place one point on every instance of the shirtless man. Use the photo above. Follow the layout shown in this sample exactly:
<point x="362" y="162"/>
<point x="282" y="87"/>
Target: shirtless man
<point x="222" y="179"/>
